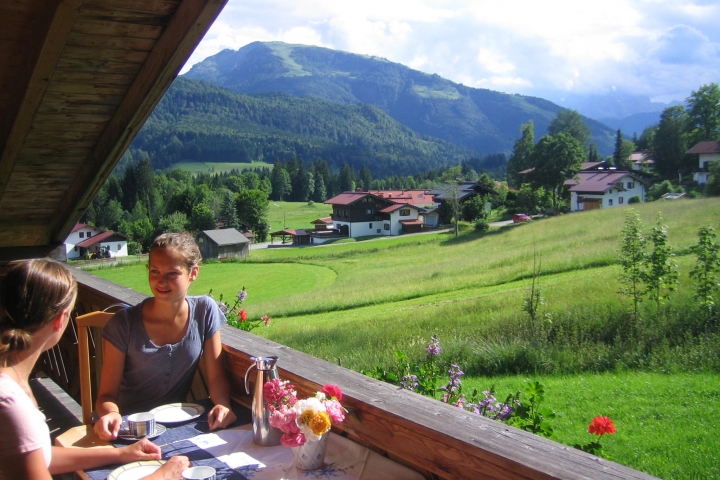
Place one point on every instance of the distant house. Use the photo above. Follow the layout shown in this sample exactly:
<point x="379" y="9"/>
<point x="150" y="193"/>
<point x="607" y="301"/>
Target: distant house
<point x="708" y="151"/>
<point x="86" y="240"/>
<point x="641" y="162"/>
<point x="604" y="188"/>
<point x="379" y="212"/>
<point x="225" y="243"/>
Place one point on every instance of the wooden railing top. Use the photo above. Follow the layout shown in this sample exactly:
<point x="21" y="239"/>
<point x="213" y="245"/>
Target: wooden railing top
<point x="439" y="439"/>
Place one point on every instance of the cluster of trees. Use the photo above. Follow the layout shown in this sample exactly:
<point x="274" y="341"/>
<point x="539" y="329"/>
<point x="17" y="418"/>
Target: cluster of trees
<point x="557" y="156"/>
<point x="679" y="129"/>
<point x="654" y="274"/>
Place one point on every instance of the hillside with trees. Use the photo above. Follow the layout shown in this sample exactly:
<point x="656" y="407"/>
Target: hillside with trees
<point x="201" y="122"/>
<point x="479" y="119"/>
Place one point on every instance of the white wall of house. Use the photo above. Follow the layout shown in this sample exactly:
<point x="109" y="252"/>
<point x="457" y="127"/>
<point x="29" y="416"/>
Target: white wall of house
<point x="704" y="163"/>
<point x="613" y="197"/>
<point x="379" y="227"/>
<point x="78" y="236"/>
<point x="431" y="219"/>
<point x="117" y="249"/>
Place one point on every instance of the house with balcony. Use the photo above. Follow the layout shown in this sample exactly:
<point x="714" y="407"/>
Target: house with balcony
<point x="707" y="152"/>
<point x="85" y="76"/>
<point x="604" y="188"/>
<point x="379" y="212"/>
<point x="87" y="241"/>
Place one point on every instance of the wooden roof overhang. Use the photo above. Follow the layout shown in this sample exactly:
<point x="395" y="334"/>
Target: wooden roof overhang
<point x="78" y="78"/>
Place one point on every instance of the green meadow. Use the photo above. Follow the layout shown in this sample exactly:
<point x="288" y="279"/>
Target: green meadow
<point x="357" y="303"/>
<point x="297" y="215"/>
<point x="218" y="167"/>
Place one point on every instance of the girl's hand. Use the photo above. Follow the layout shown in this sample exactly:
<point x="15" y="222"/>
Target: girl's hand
<point x="142" y="450"/>
<point x="171" y="470"/>
<point x="220" y="417"/>
<point x="108" y="426"/>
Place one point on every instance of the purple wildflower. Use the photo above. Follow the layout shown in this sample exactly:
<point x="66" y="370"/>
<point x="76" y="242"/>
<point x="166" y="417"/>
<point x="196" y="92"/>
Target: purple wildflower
<point x="434" y="347"/>
<point x="409" y="382"/>
<point x="223" y="307"/>
<point x="242" y="295"/>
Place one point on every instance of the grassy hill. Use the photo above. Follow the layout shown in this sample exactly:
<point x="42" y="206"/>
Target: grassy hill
<point x="358" y="303"/>
<point x="479" y="119"/>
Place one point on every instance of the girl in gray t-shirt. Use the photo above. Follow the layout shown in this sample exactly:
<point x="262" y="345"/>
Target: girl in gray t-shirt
<point x="152" y="350"/>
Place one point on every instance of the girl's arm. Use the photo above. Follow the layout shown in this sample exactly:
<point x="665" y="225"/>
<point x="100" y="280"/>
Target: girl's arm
<point x="110" y="421"/>
<point x="220" y="416"/>
<point x="25" y="465"/>
<point x="70" y="459"/>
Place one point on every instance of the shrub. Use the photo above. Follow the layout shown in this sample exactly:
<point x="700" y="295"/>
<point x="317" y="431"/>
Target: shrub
<point x="134" y="248"/>
<point x="482" y="225"/>
<point x="635" y="199"/>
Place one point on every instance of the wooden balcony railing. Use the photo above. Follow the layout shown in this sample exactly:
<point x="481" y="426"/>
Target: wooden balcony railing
<point x="437" y="439"/>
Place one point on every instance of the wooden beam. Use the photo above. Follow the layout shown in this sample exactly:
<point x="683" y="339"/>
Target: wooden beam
<point x="58" y="28"/>
<point x="186" y="28"/>
<point x="9" y="254"/>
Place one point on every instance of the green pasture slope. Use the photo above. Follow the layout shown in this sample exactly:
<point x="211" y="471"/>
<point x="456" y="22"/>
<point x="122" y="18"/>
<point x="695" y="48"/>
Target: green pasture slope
<point x="218" y="167"/>
<point x="298" y="215"/>
<point x="359" y="302"/>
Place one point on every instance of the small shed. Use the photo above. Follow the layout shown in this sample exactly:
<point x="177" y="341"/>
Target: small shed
<point x="225" y="243"/>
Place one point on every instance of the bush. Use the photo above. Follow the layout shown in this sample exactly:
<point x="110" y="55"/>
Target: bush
<point x="482" y="225"/>
<point x="134" y="248"/>
<point x="635" y="199"/>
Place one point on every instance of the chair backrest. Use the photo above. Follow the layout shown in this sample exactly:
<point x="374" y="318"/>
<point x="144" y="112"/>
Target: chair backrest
<point x="198" y="390"/>
<point x="84" y="322"/>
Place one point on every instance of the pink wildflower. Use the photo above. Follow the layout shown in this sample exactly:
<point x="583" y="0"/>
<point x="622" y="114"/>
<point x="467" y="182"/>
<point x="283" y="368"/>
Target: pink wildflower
<point x="335" y="410"/>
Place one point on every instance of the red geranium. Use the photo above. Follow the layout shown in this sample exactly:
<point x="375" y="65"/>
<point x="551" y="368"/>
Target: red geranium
<point x="332" y="391"/>
<point x="242" y="315"/>
<point x="601" y="426"/>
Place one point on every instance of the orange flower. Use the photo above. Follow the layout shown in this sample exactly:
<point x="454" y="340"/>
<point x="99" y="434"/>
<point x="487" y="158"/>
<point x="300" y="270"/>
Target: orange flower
<point x="320" y="423"/>
<point x="242" y="315"/>
<point x="601" y="426"/>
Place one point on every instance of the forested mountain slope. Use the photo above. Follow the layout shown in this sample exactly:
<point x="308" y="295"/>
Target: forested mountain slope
<point x="483" y="120"/>
<point x="199" y="121"/>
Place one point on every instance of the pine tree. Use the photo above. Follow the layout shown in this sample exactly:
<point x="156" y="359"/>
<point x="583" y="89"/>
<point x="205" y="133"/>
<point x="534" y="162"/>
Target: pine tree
<point x="228" y="213"/>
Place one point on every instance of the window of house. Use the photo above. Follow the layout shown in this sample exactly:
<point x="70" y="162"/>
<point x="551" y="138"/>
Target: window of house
<point x="89" y="234"/>
<point x="82" y="234"/>
<point x="610" y="202"/>
<point x="621" y="200"/>
<point x="386" y="226"/>
<point x="119" y="246"/>
<point x="630" y="184"/>
<point x="370" y="225"/>
<point x="378" y="230"/>
<point x="76" y="249"/>
<point x="405" y="212"/>
<point x="369" y="211"/>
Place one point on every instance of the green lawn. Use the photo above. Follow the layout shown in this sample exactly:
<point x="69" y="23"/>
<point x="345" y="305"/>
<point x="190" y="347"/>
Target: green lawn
<point x="218" y="167"/>
<point x="297" y="215"/>
<point x="359" y="302"/>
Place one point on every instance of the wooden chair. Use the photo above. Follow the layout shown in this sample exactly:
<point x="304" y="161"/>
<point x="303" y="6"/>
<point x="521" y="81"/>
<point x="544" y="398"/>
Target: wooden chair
<point x="198" y="391"/>
<point x="84" y="322"/>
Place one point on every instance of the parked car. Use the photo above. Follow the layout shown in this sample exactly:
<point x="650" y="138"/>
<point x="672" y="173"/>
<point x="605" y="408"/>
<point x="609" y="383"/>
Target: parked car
<point x="521" y="217"/>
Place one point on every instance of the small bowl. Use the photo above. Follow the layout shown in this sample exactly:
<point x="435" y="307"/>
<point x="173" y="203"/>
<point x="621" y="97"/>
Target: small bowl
<point x="199" y="473"/>
<point x="141" y="424"/>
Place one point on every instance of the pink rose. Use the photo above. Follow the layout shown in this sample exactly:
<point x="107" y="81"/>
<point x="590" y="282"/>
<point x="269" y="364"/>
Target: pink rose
<point x="293" y="439"/>
<point x="335" y="410"/>
<point x="332" y="391"/>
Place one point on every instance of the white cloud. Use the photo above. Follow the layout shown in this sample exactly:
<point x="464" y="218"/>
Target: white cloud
<point x="652" y="47"/>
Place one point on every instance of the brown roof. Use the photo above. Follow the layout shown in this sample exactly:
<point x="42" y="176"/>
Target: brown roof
<point x="411" y="222"/>
<point x="346" y="198"/>
<point x="705" y="147"/>
<point x="323" y="221"/>
<point x="79" y="78"/>
<point x="598" y="181"/>
<point x="101" y="237"/>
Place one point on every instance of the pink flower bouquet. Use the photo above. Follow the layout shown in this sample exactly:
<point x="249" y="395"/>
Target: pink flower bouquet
<point x="302" y="420"/>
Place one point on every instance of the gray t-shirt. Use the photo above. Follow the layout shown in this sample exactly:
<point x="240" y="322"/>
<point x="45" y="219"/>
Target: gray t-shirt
<point x="156" y="375"/>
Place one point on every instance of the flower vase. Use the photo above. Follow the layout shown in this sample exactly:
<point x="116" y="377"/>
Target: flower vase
<point x="311" y="455"/>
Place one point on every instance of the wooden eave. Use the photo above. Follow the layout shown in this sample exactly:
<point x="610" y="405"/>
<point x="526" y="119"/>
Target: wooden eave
<point x="78" y="80"/>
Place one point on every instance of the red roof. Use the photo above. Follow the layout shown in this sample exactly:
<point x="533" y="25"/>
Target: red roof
<point x="598" y="181"/>
<point x="98" y="238"/>
<point x="78" y="226"/>
<point x="705" y="147"/>
<point x="323" y="221"/>
<point x="346" y="198"/>
<point x="398" y="206"/>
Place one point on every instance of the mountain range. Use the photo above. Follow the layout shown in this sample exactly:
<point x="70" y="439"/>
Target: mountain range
<point x="276" y="100"/>
<point x="482" y="120"/>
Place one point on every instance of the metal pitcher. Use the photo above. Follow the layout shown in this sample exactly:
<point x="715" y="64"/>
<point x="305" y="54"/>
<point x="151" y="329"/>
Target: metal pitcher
<point x="263" y="433"/>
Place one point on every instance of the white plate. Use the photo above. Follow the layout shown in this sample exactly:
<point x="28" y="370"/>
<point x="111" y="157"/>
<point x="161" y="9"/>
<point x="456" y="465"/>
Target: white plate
<point x="177" y="412"/>
<point x="136" y="470"/>
<point x="159" y="430"/>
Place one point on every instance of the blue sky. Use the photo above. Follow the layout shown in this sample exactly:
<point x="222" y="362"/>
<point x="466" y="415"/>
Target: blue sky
<point x="662" y="49"/>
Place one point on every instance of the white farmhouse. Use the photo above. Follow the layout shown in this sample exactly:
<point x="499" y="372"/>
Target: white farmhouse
<point x="87" y="240"/>
<point x="604" y="188"/>
<point x="707" y="152"/>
